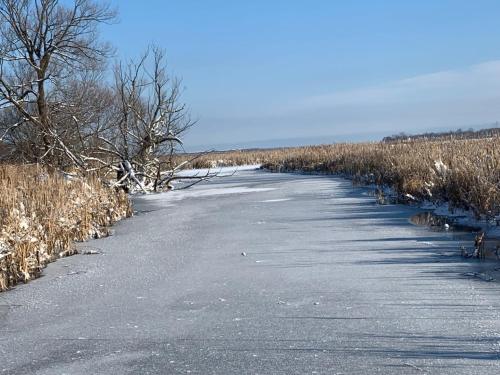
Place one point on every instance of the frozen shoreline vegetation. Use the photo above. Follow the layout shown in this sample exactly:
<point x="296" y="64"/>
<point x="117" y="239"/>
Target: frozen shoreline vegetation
<point x="463" y="173"/>
<point x="42" y="214"/>
<point x="460" y="174"/>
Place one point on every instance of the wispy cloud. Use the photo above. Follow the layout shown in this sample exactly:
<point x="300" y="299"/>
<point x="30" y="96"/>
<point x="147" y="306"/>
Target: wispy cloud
<point x="448" y="98"/>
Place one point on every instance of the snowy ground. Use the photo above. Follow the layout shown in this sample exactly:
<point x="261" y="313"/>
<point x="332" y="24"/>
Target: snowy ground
<point x="328" y="283"/>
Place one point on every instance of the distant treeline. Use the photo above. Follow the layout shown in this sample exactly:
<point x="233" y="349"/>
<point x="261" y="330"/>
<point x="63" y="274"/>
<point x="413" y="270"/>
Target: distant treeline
<point x="457" y="134"/>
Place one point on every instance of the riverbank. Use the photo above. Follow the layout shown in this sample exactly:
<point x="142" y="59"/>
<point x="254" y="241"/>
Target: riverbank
<point x="463" y="173"/>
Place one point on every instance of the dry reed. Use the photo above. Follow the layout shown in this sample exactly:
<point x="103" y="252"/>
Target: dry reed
<point x="43" y="213"/>
<point x="464" y="173"/>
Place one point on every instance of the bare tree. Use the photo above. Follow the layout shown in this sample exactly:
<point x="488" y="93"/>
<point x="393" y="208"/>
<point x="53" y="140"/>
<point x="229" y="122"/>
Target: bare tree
<point x="42" y="44"/>
<point x="150" y="120"/>
<point x="56" y="107"/>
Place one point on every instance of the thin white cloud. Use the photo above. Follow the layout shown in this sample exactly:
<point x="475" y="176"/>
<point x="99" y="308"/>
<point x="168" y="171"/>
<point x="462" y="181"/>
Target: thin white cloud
<point x="475" y="83"/>
<point x="447" y="99"/>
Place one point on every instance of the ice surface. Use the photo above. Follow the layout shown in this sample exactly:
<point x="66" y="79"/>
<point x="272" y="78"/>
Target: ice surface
<point x="221" y="171"/>
<point x="331" y="283"/>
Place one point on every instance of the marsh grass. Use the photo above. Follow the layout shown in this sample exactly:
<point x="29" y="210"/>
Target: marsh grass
<point x="464" y="173"/>
<point x="42" y="214"/>
<point x="216" y="159"/>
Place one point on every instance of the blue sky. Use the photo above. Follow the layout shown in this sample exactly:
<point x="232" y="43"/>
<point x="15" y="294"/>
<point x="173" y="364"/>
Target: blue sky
<point x="323" y="70"/>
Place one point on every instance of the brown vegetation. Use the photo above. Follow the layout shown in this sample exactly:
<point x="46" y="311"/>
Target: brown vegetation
<point x="217" y="159"/>
<point x="464" y="173"/>
<point x="42" y="213"/>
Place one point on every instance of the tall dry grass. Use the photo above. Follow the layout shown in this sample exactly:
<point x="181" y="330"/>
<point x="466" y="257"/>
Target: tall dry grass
<point x="464" y="173"/>
<point x="217" y="159"/>
<point x="42" y="214"/>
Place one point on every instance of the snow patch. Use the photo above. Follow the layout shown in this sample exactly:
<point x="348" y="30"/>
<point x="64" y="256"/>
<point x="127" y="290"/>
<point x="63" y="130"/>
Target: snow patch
<point x="276" y="200"/>
<point x="221" y="171"/>
<point x="429" y="243"/>
<point x="178" y="195"/>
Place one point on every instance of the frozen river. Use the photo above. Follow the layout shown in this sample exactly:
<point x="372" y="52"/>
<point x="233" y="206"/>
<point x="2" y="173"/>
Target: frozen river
<point x="258" y="273"/>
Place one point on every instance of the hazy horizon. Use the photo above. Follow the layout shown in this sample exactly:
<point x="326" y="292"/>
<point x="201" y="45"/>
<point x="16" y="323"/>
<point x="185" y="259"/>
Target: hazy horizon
<point x="321" y="139"/>
<point x="260" y="71"/>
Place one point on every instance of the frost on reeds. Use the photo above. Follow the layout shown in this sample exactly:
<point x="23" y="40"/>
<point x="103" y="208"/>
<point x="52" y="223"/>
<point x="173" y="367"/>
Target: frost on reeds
<point x="43" y="213"/>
